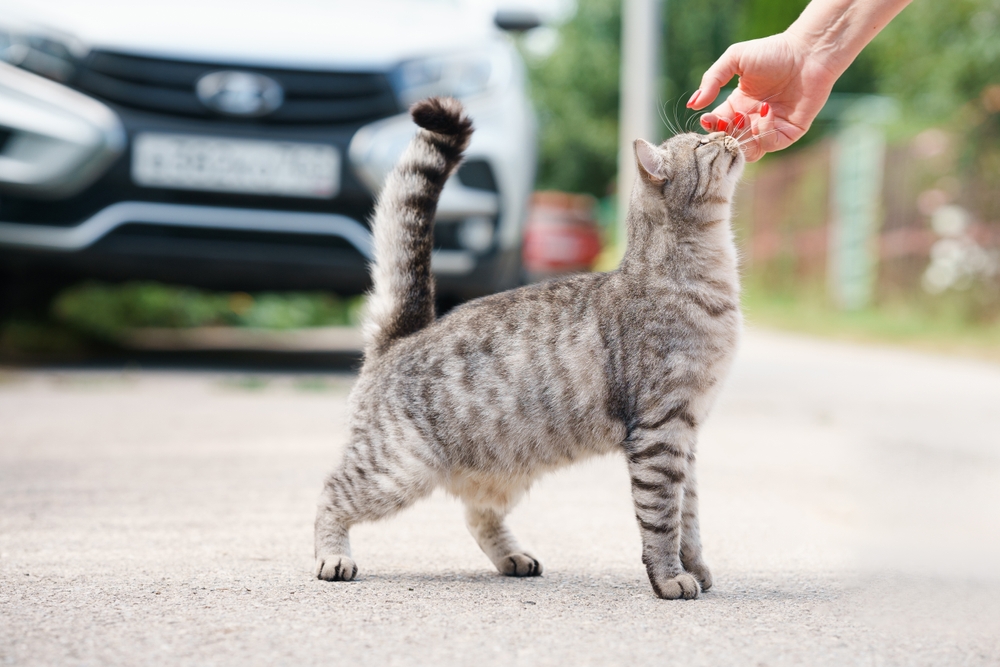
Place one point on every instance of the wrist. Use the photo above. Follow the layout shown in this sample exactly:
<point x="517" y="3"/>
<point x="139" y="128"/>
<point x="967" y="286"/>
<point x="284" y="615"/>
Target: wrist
<point x="833" y="32"/>
<point x="823" y="49"/>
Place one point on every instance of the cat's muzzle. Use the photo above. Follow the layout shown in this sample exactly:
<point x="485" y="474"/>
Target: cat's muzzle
<point x="731" y="145"/>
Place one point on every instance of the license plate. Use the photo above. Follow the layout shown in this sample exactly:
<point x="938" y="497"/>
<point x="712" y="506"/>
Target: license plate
<point x="188" y="162"/>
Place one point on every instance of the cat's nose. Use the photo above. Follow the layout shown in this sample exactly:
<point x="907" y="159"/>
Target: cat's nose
<point x="714" y="136"/>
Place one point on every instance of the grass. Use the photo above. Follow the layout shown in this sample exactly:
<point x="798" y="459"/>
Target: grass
<point x="245" y="383"/>
<point x="939" y="326"/>
<point x="322" y="385"/>
<point x="92" y="316"/>
<point x="106" y="311"/>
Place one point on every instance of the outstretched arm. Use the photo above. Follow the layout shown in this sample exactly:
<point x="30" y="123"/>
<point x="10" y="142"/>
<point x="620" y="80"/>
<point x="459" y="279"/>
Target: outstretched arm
<point x="786" y="79"/>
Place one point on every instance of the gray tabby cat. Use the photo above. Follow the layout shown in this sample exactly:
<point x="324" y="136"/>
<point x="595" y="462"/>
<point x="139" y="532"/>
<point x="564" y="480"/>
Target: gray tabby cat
<point x="505" y="388"/>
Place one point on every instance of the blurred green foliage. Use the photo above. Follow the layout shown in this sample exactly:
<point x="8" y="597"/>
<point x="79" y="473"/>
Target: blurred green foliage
<point x="938" y="56"/>
<point x="760" y="18"/>
<point x="694" y="35"/>
<point x="576" y="96"/>
<point x="106" y="311"/>
<point x="942" y="60"/>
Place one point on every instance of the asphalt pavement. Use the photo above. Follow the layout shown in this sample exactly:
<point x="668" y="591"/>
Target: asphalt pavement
<point x="850" y="513"/>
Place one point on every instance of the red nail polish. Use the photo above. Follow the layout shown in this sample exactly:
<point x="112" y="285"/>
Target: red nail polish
<point x="693" y="98"/>
<point x="723" y="125"/>
<point x="764" y="109"/>
<point x="739" y="121"/>
<point x="705" y="124"/>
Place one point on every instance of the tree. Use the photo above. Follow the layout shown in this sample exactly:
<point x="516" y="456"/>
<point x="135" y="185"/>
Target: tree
<point x="576" y="95"/>
<point x="937" y="56"/>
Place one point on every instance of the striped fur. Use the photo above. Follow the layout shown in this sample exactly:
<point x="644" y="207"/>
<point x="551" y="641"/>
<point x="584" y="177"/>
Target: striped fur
<point x="402" y="300"/>
<point x="505" y="388"/>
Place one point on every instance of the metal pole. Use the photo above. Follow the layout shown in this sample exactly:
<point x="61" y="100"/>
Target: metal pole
<point x="856" y="201"/>
<point x="638" y="85"/>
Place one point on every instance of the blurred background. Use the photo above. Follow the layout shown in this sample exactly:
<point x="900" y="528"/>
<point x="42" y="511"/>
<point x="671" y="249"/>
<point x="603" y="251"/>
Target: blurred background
<point x="200" y="177"/>
<point x="881" y="224"/>
<point x="185" y="190"/>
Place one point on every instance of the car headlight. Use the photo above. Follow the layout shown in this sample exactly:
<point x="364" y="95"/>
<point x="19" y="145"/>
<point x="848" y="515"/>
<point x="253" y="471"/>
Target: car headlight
<point x="461" y="75"/>
<point x="58" y="140"/>
<point x="47" y="55"/>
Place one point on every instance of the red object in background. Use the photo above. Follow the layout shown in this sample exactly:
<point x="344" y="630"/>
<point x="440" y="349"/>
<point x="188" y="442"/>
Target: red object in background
<point x="562" y="235"/>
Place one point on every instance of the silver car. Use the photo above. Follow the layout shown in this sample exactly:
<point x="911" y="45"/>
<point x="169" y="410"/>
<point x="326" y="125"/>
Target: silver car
<point x="242" y="146"/>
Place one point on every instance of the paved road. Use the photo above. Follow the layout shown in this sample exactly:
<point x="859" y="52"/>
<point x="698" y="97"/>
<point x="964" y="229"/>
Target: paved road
<point x="851" y="515"/>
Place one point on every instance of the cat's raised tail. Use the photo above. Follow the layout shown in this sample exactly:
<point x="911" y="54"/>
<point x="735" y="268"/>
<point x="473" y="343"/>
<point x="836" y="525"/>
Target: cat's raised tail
<point x="402" y="299"/>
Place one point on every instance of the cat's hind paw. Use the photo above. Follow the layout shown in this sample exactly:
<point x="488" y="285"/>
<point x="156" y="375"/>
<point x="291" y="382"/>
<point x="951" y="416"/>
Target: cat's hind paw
<point x="682" y="587"/>
<point x="519" y="565"/>
<point x="335" y="568"/>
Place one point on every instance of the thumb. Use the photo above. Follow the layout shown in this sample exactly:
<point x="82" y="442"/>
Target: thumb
<point x="718" y="75"/>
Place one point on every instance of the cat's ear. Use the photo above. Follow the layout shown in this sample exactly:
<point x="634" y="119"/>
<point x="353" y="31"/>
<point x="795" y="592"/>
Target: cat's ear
<point x="650" y="165"/>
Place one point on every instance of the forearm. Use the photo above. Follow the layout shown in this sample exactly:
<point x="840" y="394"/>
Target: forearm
<point x="835" y="31"/>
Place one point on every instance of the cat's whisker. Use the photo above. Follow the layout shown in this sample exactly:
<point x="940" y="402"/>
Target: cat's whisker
<point x="750" y="125"/>
<point x="747" y="130"/>
<point x="680" y="125"/>
<point x="692" y="122"/>
<point x="665" y="118"/>
<point x="756" y="107"/>
<point x="741" y="131"/>
<point x="757" y="137"/>
<point x="662" y="115"/>
<point x="765" y="134"/>
<point x="674" y="125"/>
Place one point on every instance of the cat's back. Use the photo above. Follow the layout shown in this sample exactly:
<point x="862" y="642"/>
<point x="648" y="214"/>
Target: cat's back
<point x="529" y="364"/>
<point x="519" y="332"/>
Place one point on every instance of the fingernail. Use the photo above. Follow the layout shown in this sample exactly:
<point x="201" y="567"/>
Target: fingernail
<point x="723" y="125"/>
<point x="705" y="124"/>
<point x="693" y="98"/>
<point x="764" y="109"/>
<point x="739" y="121"/>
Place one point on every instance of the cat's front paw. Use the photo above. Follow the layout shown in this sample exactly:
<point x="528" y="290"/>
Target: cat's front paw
<point x="519" y="565"/>
<point x="335" y="568"/>
<point x="682" y="587"/>
<point x="700" y="572"/>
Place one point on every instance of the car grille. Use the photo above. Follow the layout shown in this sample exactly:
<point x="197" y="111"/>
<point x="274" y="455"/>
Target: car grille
<point x="168" y="86"/>
<point x="136" y="230"/>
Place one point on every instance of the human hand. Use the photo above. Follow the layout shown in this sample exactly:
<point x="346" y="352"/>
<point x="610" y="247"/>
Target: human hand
<point x="782" y="87"/>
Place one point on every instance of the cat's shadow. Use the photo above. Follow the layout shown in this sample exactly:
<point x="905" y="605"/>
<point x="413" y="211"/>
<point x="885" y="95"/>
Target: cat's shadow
<point x="570" y="586"/>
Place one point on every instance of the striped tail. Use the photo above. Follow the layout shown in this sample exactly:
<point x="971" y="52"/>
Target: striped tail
<point x="402" y="299"/>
